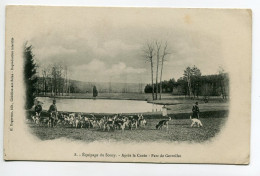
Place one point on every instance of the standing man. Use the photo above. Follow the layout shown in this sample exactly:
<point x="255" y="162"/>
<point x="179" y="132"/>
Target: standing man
<point x="53" y="113"/>
<point x="195" y="111"/>
<point x="36" y="117"/>
<point x="38" y="109"/>
<point x="164" y="111"/>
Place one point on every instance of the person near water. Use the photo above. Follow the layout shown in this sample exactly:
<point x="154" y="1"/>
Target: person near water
<point x="195" y="110"/>
<point x="164" y="111"/>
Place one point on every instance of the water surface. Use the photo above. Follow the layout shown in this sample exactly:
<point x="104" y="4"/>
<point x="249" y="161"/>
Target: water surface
<point x="100" y="105"/>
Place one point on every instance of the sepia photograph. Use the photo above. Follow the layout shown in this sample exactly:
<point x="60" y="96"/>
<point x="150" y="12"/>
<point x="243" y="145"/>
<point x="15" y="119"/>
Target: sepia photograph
<point x="126" y="82"/>
<point x="107" y="82"/>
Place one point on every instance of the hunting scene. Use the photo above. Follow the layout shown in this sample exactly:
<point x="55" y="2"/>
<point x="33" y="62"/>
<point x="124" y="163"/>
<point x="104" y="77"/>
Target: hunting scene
<point x="106" y="79"/>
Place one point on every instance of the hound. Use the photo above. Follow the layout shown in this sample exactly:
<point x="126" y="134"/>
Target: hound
<point x="36" y="118"/>
<point x="70" y="119"/>
<point x="133" y="122"/>
<point x="51" y="121"/>
<point x="76" y="123"/>
<point x="109" y="124"/>
<point x="101" y="122"/>
<point x="72" y="115"/>
<point x="196" y="121"/>
<point x="66" y="120"/>
<point x="163" y="123"/>
<point x="87" y="123"/>
<point x="61" y="118"/>
<point x="94" y="123"/>
<point x="33" y="118"/>
<point x="127" y="122"/>
<point x="140" y="117"/>
<point x="121" y="123"/>
<point x="142" y="123"/>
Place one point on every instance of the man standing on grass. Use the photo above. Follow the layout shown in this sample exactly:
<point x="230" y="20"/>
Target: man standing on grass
<point x="53" y="112"/>
<point x="195" y="111"/>
<point x="38" y="109"/>
<point x="164" y="111"/>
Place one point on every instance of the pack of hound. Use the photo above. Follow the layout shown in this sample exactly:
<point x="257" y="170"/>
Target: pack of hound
<point x="122" y="122"/>
<point x="106" y="123"/>
<point x="78" y="120"/>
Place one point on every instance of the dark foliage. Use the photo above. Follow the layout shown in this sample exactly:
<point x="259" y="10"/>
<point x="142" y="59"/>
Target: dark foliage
<point x="167" y="87"/>
<point x="95" y="91"/>
<point x="200" y="85"/>
<point x="30" y="78"/>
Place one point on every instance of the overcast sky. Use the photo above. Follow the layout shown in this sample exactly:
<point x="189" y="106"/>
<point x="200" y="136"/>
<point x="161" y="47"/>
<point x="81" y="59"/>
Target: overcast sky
<point x="106" y="44"/>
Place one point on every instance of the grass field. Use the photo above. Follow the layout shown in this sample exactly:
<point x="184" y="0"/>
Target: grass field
<point x="179" y="130"/>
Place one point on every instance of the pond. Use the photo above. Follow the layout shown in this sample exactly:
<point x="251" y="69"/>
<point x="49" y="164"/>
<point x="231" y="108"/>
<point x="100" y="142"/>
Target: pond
<point x="100" y="105"/>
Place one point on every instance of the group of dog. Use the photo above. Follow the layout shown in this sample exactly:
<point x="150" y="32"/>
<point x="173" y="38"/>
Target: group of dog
<point x="106" y="123"/>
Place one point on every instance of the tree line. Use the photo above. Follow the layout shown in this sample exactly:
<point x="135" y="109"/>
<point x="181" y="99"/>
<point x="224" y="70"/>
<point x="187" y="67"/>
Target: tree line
<point x="53" y="79"/>
<point x="193" y="84"/>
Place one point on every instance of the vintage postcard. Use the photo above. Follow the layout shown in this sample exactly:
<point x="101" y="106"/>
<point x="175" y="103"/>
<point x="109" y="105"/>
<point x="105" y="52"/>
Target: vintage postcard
<point x="157" y="85"/>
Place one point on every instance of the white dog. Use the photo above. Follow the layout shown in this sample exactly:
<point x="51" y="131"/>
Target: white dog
<point x="196" y="121"/>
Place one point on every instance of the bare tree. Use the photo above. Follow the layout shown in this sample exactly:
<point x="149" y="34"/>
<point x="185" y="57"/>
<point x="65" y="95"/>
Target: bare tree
<point x="165" y="52"/>
<point x="191" y="75"/>
<point x="149" y="54"/>
<point x="44" y="80"/>
<point x="68" y="71"/>
<point x="158" y="48"/>
<point x="60" y="79"/>
<point x="55" y="79"/>
<point x="221" y="72"/>
<point x="65" y="87"/>
<point x="187" y="75"/>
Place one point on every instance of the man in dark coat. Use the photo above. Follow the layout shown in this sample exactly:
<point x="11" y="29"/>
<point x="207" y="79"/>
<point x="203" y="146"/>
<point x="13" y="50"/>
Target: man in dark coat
<point x="53" y="112"/>
<point x="38" y="109"/>
<point x="195" y="111"/>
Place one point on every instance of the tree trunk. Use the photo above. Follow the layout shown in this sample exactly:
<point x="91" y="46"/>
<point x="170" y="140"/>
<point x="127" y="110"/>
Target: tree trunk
<point x="46" y="86"/>
<point x="152" y="77"/>
<point x="157" y="68"/>
<point x="161" y="80"/>
<point x="51" y="87"/>
<point x="189" y="85"/>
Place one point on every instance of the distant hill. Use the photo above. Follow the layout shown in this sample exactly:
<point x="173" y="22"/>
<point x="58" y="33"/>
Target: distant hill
<point x="102" y="87"/>
<point x="112" y="87"/>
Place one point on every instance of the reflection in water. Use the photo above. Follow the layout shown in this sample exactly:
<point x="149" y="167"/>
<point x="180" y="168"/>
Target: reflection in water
<point x="100" y="105"/>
